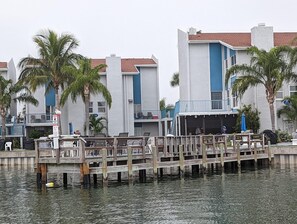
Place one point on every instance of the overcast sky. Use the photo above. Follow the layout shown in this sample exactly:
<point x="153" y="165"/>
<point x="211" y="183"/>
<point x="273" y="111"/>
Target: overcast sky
<point x="131" y="28"/>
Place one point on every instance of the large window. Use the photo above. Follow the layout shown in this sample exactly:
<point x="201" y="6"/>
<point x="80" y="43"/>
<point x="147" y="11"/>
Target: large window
<point x="216" y="100"/>
<point x="101" y="107"/>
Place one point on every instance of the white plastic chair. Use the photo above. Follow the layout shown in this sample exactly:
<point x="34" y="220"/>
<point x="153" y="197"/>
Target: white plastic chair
<point x="8" y="146"/>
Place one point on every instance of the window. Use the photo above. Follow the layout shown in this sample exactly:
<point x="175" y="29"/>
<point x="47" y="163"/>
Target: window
<point x="91" y="107"/>
<point x="279" y="94"/>
<point x="49" y="110"/>
<point x="293" y="90"/>
<point x="233" y="60"/>
<point x="235" y="99"/>
<point x="216" y="100"/>
<point x="101" y="107"/>
<point x="226" y="64"/>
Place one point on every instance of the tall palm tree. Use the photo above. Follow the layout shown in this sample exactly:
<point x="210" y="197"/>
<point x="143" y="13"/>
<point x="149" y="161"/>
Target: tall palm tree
<point x="54" y="53"/>
<point x="270" y="69"/>
<point x="7" y="91"/>
<point x="289" y="109"/>
<point x="86" y="81"/>
<point x="174" y="80"/>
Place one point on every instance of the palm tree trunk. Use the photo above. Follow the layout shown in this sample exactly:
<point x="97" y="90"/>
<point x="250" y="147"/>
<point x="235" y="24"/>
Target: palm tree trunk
<point x="272" y="116"/>
<point x="57" y="98"/>
<point x="3" y="129"/>
<point x="87" y="114"/>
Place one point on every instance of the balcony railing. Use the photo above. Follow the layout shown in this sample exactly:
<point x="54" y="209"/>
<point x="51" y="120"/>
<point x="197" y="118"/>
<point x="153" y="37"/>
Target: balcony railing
<point x="147" y="114"/>
<point x="36" y="118"/>
<point x="15" y="129"/>
<point x="204" y="106"/>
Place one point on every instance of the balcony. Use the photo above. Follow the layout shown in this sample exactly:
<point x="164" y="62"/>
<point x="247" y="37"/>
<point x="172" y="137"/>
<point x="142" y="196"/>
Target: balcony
<point x="39" y="119"/>
<point x="203" y="106"/>
<point x="147" y="115"/>
<point x="14" y="130"/>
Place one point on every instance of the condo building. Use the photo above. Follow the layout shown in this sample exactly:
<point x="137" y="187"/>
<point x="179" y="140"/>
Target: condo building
<point x="205" y="101"/>
<point x="134" y="87"/>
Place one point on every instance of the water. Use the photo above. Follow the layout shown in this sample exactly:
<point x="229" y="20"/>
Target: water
<point x="261" y="196"/>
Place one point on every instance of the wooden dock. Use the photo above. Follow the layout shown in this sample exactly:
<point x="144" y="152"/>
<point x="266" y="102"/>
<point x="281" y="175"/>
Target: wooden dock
<point x="94" y="156"/>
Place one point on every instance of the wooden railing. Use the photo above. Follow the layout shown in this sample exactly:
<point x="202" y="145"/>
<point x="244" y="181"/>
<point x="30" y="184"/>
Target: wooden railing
<point x="77" y="149"/>
<point x="129" y="154"/>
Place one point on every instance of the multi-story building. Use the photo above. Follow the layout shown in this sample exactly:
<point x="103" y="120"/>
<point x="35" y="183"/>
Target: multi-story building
<point x="205" y="101"/>
<point x="8" y="71"/>
<point x="134" y="87"/>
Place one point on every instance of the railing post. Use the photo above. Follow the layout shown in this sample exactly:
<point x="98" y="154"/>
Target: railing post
<point x="104" y="166"/>
<point x="222" y="156"/>
<point x="238" y="155"/>
<point x="82" y="153"/>
<point x="181" y="160"/>
<point x="143" y="147"/>
<point x="130" y="170"/>
<point x="58" y="151"/>
<point x="269" y="152"/>
<point x="234" y="142"/>
<point x="204" y="156"/>
<point x="115" y="148"/>
<point x="255" y="152"/>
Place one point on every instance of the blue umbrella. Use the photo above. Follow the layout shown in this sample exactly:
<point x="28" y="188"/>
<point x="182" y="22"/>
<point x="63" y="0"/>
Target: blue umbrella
<point x="243" y="125"/>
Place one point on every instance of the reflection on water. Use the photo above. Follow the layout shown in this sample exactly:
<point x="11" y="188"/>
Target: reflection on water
<point x="261" y="196"/>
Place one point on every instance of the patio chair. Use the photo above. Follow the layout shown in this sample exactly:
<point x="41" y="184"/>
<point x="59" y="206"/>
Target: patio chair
<point x="33" y="119"/>
<point x="149" y="115"/>
<point x="140" y="115"/>
<point x="8" y="146"/>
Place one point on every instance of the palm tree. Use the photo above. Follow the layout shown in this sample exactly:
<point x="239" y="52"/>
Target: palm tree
<point x="289" y="109"/>
<point x="86" y="81"/>
<point x="175" y="80"/>
<point x="97" y="125"/>
<point x="55" y="52"/>
<point x="7" y="91"/>
<point x="269" y="69"/>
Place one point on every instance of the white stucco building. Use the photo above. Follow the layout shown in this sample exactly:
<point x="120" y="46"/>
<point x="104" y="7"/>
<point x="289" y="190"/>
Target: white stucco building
<point x="8" y="71"/>
<point x="134" y="87"/>
<point x="205" y="101"/>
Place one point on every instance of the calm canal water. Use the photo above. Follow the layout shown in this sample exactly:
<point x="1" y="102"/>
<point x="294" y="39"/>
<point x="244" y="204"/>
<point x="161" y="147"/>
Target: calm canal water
<point x="259" y="196"/>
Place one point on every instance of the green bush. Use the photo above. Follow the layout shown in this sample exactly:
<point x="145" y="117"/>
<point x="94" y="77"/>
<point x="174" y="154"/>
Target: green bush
<point x="283" y="136"/>
<point x="35" y="134"/>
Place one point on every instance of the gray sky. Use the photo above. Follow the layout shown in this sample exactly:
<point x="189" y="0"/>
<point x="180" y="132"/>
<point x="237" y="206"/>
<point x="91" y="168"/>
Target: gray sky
<point x="132" y="28"/>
